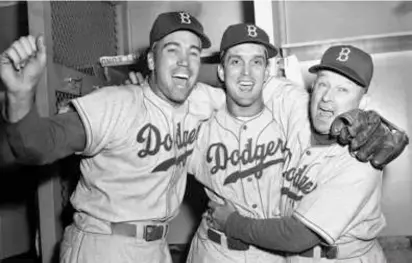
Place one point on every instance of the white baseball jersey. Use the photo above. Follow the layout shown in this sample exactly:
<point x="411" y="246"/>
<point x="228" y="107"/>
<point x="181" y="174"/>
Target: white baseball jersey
<point x="242" y="161"/>
<point x="338" y="198"/>
<point x="137" y="150"/>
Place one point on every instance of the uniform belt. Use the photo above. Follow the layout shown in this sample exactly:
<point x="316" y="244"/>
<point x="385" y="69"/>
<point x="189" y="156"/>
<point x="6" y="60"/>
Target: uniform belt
<point x="328" y="252"/>
<point x="351" y="249"/>
<point x="232" y="244"/>
<point x="147" y="232"/>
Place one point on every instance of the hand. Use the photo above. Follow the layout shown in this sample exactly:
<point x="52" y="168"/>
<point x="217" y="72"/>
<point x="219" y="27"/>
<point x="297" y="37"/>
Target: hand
<point x="355" y="127"/>
<point x="370" y="136"/>
<point x="219" y="214"/>
<point x="22" y="65"/>
<point x="135" y="78"/>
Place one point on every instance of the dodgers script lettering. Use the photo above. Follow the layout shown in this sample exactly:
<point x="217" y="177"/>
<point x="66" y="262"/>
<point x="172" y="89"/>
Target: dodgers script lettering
<point x="220" y="157"/>
<point x="152" y="142"/>
<point x="301" y="183"/>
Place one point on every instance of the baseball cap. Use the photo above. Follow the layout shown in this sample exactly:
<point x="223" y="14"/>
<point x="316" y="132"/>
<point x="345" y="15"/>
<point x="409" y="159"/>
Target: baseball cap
<point x="167" y="23"/>
<point x="246" y="33"/>
<point x="349" y="61"/>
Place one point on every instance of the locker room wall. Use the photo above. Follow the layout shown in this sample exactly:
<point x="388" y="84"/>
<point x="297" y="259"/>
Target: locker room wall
<point x="340" y="19"/>
<point x="214" y="15"/>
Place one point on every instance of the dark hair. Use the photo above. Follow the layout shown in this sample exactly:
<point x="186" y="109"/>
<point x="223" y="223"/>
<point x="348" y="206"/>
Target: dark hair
<point x="142" y="64"/>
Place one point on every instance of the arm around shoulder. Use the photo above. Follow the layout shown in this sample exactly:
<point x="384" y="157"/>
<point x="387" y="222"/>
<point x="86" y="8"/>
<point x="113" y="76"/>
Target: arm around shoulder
<point x="205" y="99"/>
<point x="284" y="234"/>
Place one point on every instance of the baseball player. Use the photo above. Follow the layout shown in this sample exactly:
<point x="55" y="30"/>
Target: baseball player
<point x="241" y="148"/>
<point x="136" y="142"/>
<point x="330" y="202"/>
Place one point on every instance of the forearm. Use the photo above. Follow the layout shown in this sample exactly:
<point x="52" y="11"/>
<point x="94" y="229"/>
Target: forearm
<point x="38" y="141"/>
<point x="285" y="234"/>
<point x="18" y="106"/>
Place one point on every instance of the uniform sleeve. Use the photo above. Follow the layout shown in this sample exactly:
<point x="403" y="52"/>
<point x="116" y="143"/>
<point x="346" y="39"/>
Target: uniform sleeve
<point x="105" y="113"/>
<point x="205" y="99"/>
<point x="289" y="105"/>
<point x="332" y="206"/>
<point x="197" y="164"/>
<point x="37" y="141"/>
<point x="284" y="234"/>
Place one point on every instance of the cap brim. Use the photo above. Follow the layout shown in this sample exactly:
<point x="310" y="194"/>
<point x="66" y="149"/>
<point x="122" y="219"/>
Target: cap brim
<point x="344" y="71"/>
<point x="272" y="50"/>
<point x="206" y="43"/>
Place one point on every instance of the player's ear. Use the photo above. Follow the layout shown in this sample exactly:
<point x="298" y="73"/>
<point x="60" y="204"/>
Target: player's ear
<point x="151" y="60"/>
<point x="221" y="74"/>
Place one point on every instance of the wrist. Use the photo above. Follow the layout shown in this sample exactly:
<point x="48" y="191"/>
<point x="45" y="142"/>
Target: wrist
<point x="17" y="105"/>
<point x="19" y="97"/>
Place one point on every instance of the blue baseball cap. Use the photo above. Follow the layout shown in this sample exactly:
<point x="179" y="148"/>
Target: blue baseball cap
<point x="246" y="33"/>
<point x="167" y="23"/>
<point x="349" y="61"/>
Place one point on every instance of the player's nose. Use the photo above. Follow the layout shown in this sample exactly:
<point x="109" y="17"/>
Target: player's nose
<point x="245" y="70"/>
<point x="327" y="95"/>
<point x="183" y="60"/>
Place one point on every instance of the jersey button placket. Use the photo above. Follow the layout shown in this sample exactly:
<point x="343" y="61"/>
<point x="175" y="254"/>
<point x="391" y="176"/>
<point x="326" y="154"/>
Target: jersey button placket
<point x="247" y="182"/>
<point x="171" y="185"/>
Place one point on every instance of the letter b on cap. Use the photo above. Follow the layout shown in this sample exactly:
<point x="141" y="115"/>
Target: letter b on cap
<point x="252" y="30"/>
<point x="185" y="18"/>
<point x="344" y="54"/>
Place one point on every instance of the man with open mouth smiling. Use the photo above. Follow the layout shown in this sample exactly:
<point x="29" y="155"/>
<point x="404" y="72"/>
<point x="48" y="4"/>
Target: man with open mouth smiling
<point x="241" y="150"/>
<point x="174" y="59"/>
<point x="337" y="90"/>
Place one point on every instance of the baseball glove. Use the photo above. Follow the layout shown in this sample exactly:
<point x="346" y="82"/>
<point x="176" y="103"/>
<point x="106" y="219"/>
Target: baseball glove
<point x="369" y="136"/>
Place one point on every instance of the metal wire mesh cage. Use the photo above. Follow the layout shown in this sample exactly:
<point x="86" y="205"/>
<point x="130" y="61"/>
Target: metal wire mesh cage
<point x="62" y="96"/>
<point x="63" y="99"/>
<point x="83" y="31"/>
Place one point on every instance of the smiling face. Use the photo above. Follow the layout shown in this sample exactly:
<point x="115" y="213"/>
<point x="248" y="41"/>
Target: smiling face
<point x="331" y="96"/>
<point x="244" y="71"/>
<point x="175" y="61"/>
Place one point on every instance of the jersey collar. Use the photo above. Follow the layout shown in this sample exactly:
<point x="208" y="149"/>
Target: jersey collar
<point x="226" y="119"/>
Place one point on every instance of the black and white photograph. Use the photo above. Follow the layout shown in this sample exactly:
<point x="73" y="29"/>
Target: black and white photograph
<point x="256" y="131"/>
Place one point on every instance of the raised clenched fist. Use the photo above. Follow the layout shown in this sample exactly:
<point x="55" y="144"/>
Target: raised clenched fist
<point x="22" y="65"/>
